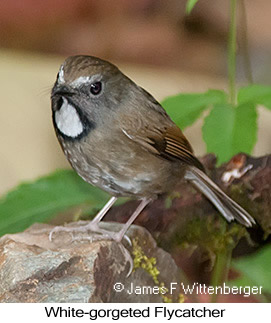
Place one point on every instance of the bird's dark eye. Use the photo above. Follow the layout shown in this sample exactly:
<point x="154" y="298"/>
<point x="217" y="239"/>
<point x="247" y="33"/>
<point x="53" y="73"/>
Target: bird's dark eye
<point x="96" y="88"/>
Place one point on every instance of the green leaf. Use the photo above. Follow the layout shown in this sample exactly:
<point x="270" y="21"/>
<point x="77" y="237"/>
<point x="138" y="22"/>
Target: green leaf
<point x="257" y="94"/>
<point x="190" y="5"/>
<point x="39" y="201"/>
<point x="229" y="130"/>
<point x="245" y="129"/>
<point x="185" y="109"/>
<point x="255" y="269"/>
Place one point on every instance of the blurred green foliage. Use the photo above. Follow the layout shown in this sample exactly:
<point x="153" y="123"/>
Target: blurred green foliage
<point x="254" y="270"/>
<point x="186" y="108"/>
<point x="190" y="5"/>
<point x="42" y="199"/>
<point x="228" y="129"/>
<point x="255" y="94"/>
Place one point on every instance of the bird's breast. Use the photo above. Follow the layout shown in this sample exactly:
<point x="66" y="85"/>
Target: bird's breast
<point x="121" y="169"/>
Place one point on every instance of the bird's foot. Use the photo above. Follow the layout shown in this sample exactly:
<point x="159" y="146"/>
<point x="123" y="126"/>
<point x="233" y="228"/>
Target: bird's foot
<point x="90" y="227"/>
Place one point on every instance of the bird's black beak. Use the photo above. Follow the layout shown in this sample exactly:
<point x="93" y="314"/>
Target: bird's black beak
<point x="57" y="94"/>
<point x="62" y="90"/>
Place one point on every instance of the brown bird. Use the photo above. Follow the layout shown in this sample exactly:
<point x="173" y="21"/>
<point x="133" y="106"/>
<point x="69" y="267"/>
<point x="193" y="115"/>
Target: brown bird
<point x="119" y="138"/>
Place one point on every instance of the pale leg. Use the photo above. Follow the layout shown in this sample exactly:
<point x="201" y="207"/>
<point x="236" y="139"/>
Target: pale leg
<point x="94" y="223"/>
<point x="119" y="235"/>
<point x="116" y="236"/>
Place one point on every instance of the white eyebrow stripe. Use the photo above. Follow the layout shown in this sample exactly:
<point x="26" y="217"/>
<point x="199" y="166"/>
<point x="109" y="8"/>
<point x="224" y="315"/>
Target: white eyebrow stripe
<point x="61" y="75"/>
<point x="84" y="80"/>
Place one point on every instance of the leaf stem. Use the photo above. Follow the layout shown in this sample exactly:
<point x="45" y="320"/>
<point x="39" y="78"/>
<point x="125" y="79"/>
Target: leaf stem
<point x="221" y="270"/>
<point x="232" y="53"/>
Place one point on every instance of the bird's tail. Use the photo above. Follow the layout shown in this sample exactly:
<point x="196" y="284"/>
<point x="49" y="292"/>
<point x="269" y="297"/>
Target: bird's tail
<point x="227" y="207"/>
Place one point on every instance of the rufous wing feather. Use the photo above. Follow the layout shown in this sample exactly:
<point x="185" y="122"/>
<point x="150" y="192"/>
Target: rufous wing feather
<point x="167" y="142"/>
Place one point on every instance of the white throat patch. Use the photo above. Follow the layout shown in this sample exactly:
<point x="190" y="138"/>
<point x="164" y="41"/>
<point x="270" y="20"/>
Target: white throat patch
<point x="67" y="120"/>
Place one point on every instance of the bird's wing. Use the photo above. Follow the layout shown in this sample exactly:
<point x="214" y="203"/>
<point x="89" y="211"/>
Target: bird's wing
<point x="161" y="137"/>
